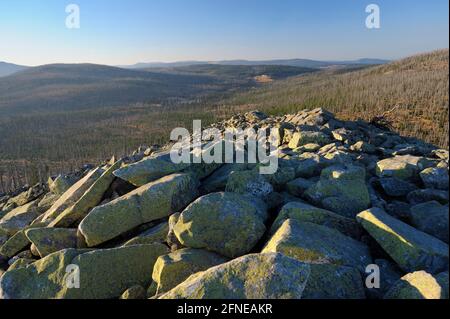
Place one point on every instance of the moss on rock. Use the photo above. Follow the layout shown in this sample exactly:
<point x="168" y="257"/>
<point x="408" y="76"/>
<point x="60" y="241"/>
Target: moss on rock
<point x="255" y="276"/>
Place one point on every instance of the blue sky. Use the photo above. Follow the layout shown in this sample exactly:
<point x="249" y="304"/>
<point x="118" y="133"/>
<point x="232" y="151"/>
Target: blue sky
<point x="116" y="32"/>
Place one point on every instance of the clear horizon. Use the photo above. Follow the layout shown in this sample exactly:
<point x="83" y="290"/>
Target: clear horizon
<point x="140" y="31"/>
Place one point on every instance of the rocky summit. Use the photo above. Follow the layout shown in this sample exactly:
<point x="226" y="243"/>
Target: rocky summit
<point x="353" y="211"/>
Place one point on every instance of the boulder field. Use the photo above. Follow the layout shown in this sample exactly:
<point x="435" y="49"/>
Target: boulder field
<point x="354" y="211"/>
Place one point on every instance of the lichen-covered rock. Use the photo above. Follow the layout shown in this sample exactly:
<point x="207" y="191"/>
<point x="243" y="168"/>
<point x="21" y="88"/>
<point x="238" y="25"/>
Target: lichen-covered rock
<point x="318" y="244"/>
<point x="172" y="269"/>
<point x="428" y="195"/>
<point x="418" y="285"/>
<point x="72" y="195"/>
<point x="227" y="223"/>
<point x="14" y="244"/>
<point x="47" y="201"/>
<point x="435" y="178"/>
<point x="172" y="239"/>
<point x="402" y="166"/>
<point x="217" y="181"/>
<point x="303" y="212"/>
<point x="19" y="218"/>
<point x="431" y="218"/>
<point x="27" y="196"/>
<point x="49" y="240"/>
<point x="150" y="202"/>
<point x="89" y="200"/>
<point x="102" y="273"/>
<point x="149" y="169"/>
<point x="135" y="292"/>
<point x="307" y="137"/>
<point x="410" y="248"/>
<point x="249" y="182"/>
<point x="396" y="187"/>
<point x="341" y="189"/>
<point x="298" y="186"/>
<point x="255" y="276"/>
<point x="60" y="184"/>
<point x="156" y="234"/>
<point x="327" y="281"/>
<point x="282" y="176"/>
<point x="21" y="263"/>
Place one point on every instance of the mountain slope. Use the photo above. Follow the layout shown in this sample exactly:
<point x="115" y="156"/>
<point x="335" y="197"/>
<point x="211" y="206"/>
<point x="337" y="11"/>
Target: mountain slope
<point x="417" y="86"/>
<point x="10" y="68"/>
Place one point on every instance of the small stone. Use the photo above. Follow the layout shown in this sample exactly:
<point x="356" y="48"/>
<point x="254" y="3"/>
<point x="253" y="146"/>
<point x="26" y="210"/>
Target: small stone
<point x="135" y="292"/>
<point x="427" y="195"/>
<point x="431" y="218"/>
<point x="396" y="187"/>
<point x="298" y="186"/>
<point x="156" y="234"/>
<point x="49" y="240"/>
<point x="249" y="182"/>
<point x="307" y="137"/>
<point x="402" y="167"/>
<point x="417" y="285"/>
<point x="435" y="178"/>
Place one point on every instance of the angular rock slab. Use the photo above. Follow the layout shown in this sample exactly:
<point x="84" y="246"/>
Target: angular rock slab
<point x="19" y="218"/>
<point x="435" y="178"/>
<point x="49" y="240"/>
<point x="317" y="244"/>
<point x="150" y="202"/>
<point x="307" y="213"/>
<point x="255" y="276"/>
<point x="431" y="218"/>
<point x="102" y="273"/>
<point x="402" y="166"/>
<point x="172" y="269"/>
<point x="341" y="189"/>
<point x="156" y="234"/>
<point x="89" y="200"/>
<point x="410" y="248"/>
<point x="249" y="182"/>
<point x="149" y="169"/>
<point x="227" y="223"/>
<point x="419" y="285"/>
<point x="72" y="195"/>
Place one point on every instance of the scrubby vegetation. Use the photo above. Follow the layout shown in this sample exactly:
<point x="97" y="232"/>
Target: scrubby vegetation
<point x="416" y="86"/>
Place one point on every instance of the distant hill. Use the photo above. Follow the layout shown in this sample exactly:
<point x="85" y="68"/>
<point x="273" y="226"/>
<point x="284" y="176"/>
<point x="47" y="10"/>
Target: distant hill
<point x="81" y="86"/>
<point x="236" y="72"/>
<point x="416" y="86"/>
<point x="58" y="87"/>
<point x="10" y="68"/>
<point x="304" y="63"/>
